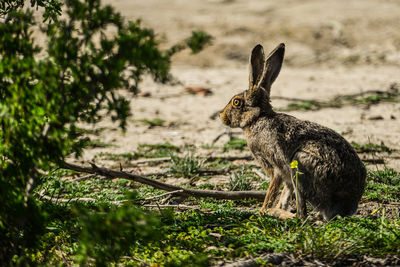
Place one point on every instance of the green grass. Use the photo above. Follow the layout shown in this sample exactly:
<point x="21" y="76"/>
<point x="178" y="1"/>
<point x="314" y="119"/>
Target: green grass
<point x="370" y="147"/>
<point x="153" y="123"/>
<point x="305" y="105"/>
<point x="390" y="95"/>
<point x="220" y="230"/>
<point x="144" y="151"/>
<point x="187" y="166"/>
<point x="95" y="143"/>
<point x="236" y="144"/>
<point x="226" y="233"/>
<point x="383" y="186"/>
<point x="98" y="188"/>
<point x="229" y="234"/>
<point x="239" y="181"/>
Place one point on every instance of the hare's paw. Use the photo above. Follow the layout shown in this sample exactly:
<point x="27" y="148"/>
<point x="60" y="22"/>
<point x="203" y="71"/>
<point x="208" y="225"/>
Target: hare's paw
<point x="280" y="213"/>
<point x="263" y="210"/>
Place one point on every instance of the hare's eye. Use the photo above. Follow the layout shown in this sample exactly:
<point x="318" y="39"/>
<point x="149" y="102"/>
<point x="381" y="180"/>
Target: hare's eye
<point x="237" y="102"/>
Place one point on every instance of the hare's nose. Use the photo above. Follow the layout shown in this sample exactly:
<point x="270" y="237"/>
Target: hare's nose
<point x="224" y="117"/>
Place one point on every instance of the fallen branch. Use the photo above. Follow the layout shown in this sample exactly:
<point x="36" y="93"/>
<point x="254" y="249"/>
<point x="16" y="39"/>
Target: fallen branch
<point x="137" y="163"/>
<point x="230" y="158"/>
<point x="110" y="174"/>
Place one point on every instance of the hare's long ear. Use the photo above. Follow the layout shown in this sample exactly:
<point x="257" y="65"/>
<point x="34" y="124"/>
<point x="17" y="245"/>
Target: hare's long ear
<point x="256" y="73"/>
<point x="272" y="68"/>
<point x="256" y="65"/>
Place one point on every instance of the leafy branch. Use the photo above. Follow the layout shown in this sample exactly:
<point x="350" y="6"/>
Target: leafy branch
<point x="91" y="54"/>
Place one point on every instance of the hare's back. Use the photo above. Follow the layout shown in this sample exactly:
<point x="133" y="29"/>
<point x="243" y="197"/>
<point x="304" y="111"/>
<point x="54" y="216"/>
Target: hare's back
<point x="321" y="150"/>
<point x="329" y="162"/>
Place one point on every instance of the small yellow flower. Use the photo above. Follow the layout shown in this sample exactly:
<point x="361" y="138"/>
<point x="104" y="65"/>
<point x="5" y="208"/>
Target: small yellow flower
<point x="294" y="164"/>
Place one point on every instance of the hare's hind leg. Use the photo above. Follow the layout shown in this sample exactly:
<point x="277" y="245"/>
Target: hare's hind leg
<point x="340" y="207"/>
<point x="286" y="195"/>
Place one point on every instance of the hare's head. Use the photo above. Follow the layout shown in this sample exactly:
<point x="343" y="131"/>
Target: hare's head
<point x="246" y="107"/>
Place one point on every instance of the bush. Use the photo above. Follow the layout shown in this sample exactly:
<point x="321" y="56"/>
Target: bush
<point x="43" y="98"/>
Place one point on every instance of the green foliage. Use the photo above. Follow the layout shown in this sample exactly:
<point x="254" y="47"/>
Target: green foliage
<point x="219" y="164"/>
<point x="377" y="98"/>
<point x="370" y="147"/>
<point x="99" y="189"/>
<point x="188" y="166"/>
<point x="52" y="8"/>
<point x="108" y="234"/>
<point x="93" y="143"/>
<point x="222" y="230"/>
<point x="196" y="42"/>
<point x="154" y="122"/>
<point x="235" y="143"/>
<point x="157" y="150"/>
<point x="371" y="98"/>
<point x="239" y="181"/>
<point x="304" y="105"/>
<point x="383" y="185"/>
<point x="42" y="99"/>
<point x="228" y="234"/>
<point x="144" y="151"/>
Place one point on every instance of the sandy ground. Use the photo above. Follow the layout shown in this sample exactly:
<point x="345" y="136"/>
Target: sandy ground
<point x="332" y="48"/>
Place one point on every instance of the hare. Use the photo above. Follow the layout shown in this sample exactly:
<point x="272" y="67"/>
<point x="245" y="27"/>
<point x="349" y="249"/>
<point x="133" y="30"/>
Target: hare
<point x="331" y="176"/>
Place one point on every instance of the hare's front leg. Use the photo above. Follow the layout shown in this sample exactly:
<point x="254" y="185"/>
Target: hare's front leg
<point x="272" y="192"/>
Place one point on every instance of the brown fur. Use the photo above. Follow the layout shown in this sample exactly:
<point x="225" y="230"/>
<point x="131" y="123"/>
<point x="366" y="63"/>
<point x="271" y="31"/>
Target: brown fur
<point x="333" y="176"/>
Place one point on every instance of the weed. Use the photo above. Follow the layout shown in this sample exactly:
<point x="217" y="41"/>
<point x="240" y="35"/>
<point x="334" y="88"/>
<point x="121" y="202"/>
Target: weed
<point x="188" y="166"/>
<point x="206" y="186"/>
<point x="96" y="143"/>
<point x="153" y="123"/>
<point x="220" y="230"/>
<point x="207" y="146"/>
<point x="376" y="98"/>
<point x="304" y="105"/>
<point x="239" y="181"/>
<point x="157" y="150"/>
<point x="264" y="185"/>
<point x="118" y="156"/>
<point x="97" y="188"/>
<point x="96" y="131"/>
<point x="235" y="143"/>
<point x="144" y="151"/>
<point x="373" y="97"/>
<point x="383" y="185"/>
<point x="370" y="147"/>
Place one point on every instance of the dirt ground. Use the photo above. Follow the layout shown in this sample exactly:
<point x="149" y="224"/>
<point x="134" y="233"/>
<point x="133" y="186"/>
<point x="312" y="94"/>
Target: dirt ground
<point x="332" y="48"/>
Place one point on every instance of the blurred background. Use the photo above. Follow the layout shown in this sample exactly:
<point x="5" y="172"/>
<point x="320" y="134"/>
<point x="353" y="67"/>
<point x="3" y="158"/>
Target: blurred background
<point x="348" y="32"/>
<point x="333" y="48"/>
